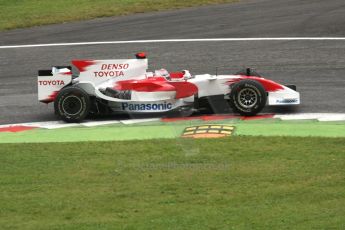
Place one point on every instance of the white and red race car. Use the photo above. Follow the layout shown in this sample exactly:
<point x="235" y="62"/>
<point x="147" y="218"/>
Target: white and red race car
<point x="125" y="86"/>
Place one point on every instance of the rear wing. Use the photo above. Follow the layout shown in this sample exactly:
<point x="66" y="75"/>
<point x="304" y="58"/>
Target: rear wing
<point x="98" y="71"/>
<point x="50" y="82"/>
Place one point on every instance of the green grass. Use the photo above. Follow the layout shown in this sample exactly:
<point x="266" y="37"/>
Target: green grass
<point x="154" y="130"/>
<point x="26" y="13"/>
<point x="232" y="183"/>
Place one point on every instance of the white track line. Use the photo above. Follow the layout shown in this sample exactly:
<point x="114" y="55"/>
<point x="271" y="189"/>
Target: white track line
<point x="177" y="40"/>
<point x="90" y="123"/>
<point x="312" y="116"/>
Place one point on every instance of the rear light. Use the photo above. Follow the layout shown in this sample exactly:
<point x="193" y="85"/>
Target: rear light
<point x="141" y="55"/>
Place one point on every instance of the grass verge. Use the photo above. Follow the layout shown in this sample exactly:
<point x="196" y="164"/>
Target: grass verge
<point x="18" y="14"/>
<point x="154" y="130"/>
<point x="238" y="182"/>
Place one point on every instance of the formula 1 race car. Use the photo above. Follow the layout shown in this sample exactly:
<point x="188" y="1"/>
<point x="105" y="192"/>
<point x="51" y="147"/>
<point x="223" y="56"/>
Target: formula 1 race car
<point x="125" y="86"/>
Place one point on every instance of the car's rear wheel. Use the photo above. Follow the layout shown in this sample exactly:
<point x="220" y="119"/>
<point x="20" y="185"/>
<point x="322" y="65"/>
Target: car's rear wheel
<point x="247" y="97"/>
<point x="72" y="104"/>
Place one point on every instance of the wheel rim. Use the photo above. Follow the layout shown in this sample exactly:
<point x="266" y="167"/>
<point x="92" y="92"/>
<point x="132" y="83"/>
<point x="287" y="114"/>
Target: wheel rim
<point x="72" y="105"/>
<point x="247" y="98"/>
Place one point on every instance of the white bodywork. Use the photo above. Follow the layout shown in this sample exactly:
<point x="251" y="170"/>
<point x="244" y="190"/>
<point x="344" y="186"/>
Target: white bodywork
<point x="95" y="76"/>
<point x="49" y="86"/>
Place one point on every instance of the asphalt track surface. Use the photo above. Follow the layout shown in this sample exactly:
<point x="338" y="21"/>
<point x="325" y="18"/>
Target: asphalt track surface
<point x="316" y="67"/>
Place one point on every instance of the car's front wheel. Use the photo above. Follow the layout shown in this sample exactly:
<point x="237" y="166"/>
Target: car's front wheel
<point x="247" y="97"/>
<point x="72" y="104"/>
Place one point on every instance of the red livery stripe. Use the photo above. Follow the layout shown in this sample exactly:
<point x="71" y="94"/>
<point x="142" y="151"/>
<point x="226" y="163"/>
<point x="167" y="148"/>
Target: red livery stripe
<point x="82" y="64"/>
<point x="158" y="84"/>
<point x="270" y="86"/>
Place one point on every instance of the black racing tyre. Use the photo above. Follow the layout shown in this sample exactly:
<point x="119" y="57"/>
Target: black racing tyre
<point x="72" y="104"/>
<point x="248" y="72"/>
<point x="247" y="97"/>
